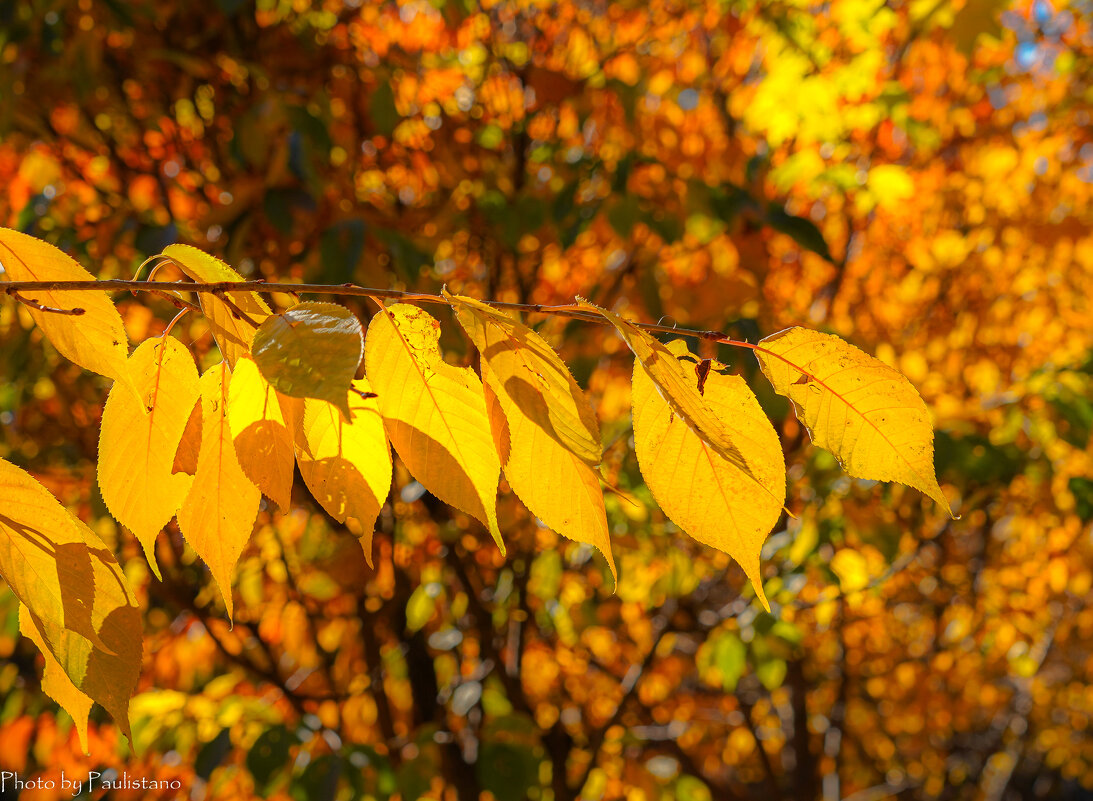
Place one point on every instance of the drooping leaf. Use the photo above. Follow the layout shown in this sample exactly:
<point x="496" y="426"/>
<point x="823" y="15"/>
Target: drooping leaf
<point x="55" y="682"/>
<point x="219" y="512"/>
<point x="858" y="408"/>
<point x="233" y="334"/>
<point x="706" y="495"/>
<point x="96" y="339"/>
<point x="310" y="351"/>
<point x="434" y="412"/>
<point x="346" y="462"/>
<point x="678" y="384"/>
<point x="74" y="591"/>
<point x="554" y="484"/>
<point x="140" y="436"/>
<point x="532" y="377"/>
<point x="262" y="425"/>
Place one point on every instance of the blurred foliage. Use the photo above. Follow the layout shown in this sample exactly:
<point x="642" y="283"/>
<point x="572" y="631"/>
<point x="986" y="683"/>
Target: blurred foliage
<point x="914" y="175"/>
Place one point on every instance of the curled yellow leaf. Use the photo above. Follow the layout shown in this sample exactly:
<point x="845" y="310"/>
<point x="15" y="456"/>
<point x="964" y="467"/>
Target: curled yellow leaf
<point x="233" y="334"/>
<point x="857" y="407"/>
<point x="434" y="412"/>
<point x="74" y="591"/>
<point x="55" y="682"/>
<point x="706" y="495"/>
<point x="556" y="485"/>
<point x="678" y="384"/>
<point x="346" y="463"/>
<point x="139" y="438"/>
<point x="96" y="339"/>
<point x="219" y="511"/>
<point x="531" y="377"/>
<point x="262" y="425"/>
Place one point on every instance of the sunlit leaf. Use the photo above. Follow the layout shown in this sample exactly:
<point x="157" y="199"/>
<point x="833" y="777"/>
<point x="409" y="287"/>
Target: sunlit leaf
<point x="74" y="591"/>
<point x="532" y="377"/>
<point x="867" y="414"/>
<point x="677" y="382"/>
<point x="851" y="568"/>
<point x="95" y="340"/>
<point x="435" y="413"/>
<point x="310" y="351"/>
<point x="55" y="682"/>
<point x="706" y="495"/>
<point x="346" y="462"/>
<point x="262" y="425"/>
<point x="219" y="512"/>
<point x="552" y="482"/>
<point x="140" y="436"/>
<point x="233" y="334"/>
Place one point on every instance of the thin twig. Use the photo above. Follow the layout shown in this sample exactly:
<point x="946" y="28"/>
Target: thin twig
<point x="34" y="304"/>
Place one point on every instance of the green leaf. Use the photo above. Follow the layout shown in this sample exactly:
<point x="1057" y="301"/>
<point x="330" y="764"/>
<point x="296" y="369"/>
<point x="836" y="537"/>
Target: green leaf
<point x="212" y="754"/>
<point x="320" y="780"/>
<point x="803" y="231"/>
<point x="419" y="609"/>
<point x="730" y="655"/>
<point x="381" y="107"/>
<point x="624" y="214"/>
<point x="270" y="755"/>
<point x="771" y="673"/>
<point x="688" y="788"/>
<point x="311" y="351"/>
<point x="414" y="777"/>
<point x="371" y="773"/>
<point x="340" y="250"/>
<point x="507" y="770"/>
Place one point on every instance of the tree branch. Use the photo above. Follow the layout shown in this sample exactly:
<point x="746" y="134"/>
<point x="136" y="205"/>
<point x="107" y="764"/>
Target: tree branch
<point x="350" y="290"/>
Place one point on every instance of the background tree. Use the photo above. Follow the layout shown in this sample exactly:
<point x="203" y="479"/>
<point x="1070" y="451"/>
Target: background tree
<point x="914" y="176"/>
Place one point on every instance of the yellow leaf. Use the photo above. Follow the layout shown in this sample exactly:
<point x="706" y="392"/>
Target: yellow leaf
<point x="140" y="436"/>
<point x="310" y="351"/>
<point x="96" y="339"/>
<point x="434" y="412"/>
<point x="678" y="383"/>
<point x="346" y="463"/>
<point x="532" y="377"/>
<point x="74" y="592"/>
<point x="55" y="682"/>
<point x="219" y="512"/>
<point x="233" y="335"/>
<point x="706" y="495"/>
<point x="867" y="414"/>
<point x="892" y="186"/>
<point x="852" y="569"/>
<point x="556" y="485"/>
<point x="262" y="427"/>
